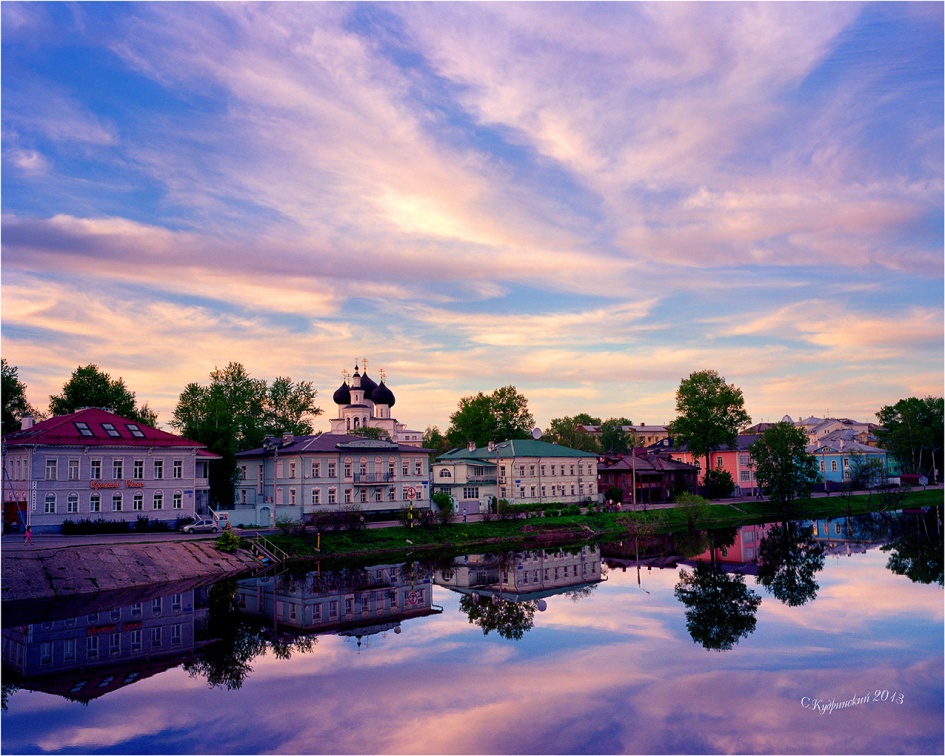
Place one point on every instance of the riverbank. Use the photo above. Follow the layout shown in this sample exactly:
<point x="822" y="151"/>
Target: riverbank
<point x="56" y="574"/>
<point x="542" y="532"/>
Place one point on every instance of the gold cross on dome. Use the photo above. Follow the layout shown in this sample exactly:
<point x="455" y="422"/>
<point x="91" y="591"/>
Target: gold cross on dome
<point x="364" y="365"/>
<point x="383" y="375"/>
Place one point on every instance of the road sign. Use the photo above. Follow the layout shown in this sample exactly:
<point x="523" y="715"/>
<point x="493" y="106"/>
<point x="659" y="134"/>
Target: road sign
<point x="411" y="493"/>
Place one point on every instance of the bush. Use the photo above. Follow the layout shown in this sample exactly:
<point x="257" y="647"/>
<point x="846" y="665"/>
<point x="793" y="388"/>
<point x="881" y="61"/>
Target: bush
<point x="228" y="542"/>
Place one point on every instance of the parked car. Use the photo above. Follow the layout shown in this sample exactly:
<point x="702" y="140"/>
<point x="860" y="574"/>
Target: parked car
<point x="201" y="526"/>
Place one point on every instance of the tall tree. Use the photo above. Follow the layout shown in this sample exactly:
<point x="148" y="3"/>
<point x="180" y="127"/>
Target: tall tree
<point x="91" y="387"/>
<point x="709" y="414"/>
<point x="482" y="418"/>
<point x="15" y="406"/>
<point x="613" y="437"/>
<point x="433" y="439"/>
<point x="913" y="430"/>
<point x="783" y="466"/>
<point x="569" y="431"/>
<point x="236" y="412"/>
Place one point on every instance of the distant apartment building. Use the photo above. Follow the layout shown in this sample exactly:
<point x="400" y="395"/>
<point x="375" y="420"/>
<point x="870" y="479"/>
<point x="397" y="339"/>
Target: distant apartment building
<point x="294" y="476"/>
<point x="522" y="471"/>
<point x="93" y="464"/>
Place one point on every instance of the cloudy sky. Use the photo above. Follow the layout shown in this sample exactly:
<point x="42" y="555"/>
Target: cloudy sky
<point x="587" y="201"/>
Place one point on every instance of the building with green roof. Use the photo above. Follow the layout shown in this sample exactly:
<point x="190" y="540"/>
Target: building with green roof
<point x="529" y="471"/>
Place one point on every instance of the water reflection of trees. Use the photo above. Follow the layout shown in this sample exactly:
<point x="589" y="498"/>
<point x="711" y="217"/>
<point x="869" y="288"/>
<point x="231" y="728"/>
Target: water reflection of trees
<point x="788" y="559"/>
<point x="720" y="608"/>
<point x="510" y="619"/>
<point x="225" y="663"/>
<point x="917" y="551"/>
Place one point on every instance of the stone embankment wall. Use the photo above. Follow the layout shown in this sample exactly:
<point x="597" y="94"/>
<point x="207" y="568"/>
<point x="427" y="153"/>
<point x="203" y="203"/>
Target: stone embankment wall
<point x="38" y="573"/>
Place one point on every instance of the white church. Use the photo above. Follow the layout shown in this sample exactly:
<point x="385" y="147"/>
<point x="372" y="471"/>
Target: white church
<point x="362" y="403"/>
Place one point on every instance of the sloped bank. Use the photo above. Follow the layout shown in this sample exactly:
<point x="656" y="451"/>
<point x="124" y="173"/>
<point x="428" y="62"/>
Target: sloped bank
<point x="37" y="581"/>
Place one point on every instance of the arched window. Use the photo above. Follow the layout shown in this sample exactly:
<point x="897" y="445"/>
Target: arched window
<point x="444" y="473"/>
<point x="49" y="506"/>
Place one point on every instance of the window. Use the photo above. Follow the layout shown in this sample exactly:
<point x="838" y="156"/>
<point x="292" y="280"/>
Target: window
<point x="744" y="476"/>
<point x="52" y="467"/>
<point x="391" y="469"/>
<point x="543" y="469"/>
<point x="178" y="500"/>
<point x="134" y="430"/>
<point x="155" y="637"/>
<point x="833" y="465"/>
<point x="315" y="496"/>
<point x="836" y="528"/>
<point x="72" y="503"/>
<point x="279" y="495"/>
<point x="136" y="609"/>
<point x="158" y="501"/>
<point x="821" y="465"/>
<point x="405" y="468"/>
<point x="91" y="647"/>
<point x="158" y="469"/>
<point x="362" y="468"/>
<point x="138" y="471"/>
<point x="50" y="504"/>
<point x="292" y="496"/>
<point x="73" y="469"/>
<point x="377" y="494"/>
<point x="178" y="468"/>
<point x="531" y="470"/>
<point x="743" y="459"/>
<point x="392" y="495"/>
<point x="291" y="469"/>
<point x="68" y="650"/>
<point x="316" y="470"/>
<point x="552" y="469"/>
<point x="95" y="503"/>
<point x="521" y="471"/>
<point x="156" y="606"/>
<point x="110" y="429"/>
<point x="363" y="495"/>
<point x="114" y="644"/>
<point x="260" y="478"/>
<point x="572" y="469"/>
<point x="846" y="462"/>
<point x="116" y="502"/>
<point x="444" y="473"/>
<point x="137" y="503"/>
<point x="418" y="468"/>
<point x="332" y="496"/>
<point x="176" y="602"/>
<point x="175" y="634"/>
<point x="118" y="469"/>
<point x="135" y="640"/>
<point x="347" y="496"/>
<point x="332" y="467"/>
<point x="84" y="429"/>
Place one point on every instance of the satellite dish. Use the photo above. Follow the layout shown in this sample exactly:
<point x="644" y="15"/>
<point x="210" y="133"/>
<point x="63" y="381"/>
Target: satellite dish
<point x="536" y="434"/>
<point x="542" y="605"/>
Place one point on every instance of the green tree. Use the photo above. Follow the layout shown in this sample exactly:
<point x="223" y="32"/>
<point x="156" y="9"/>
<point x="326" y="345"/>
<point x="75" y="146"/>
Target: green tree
<point x="236" y="412"/>
<point x="569" y="431"/>
<point x="444" y="504"/>
<point x="720" y="608"/>
<point x="719" y="483"/>
<point x="783" y="466"/>
<point x="498" y="416"/>
<point x="709" y="414"/>
<point x="433" y="439"/>
<point x="917" y="552"/>
<point x="91" y="387"/>
<point x="15" y="406"/>
<point x="366" y="431"/>
<point x="912" y="430"/>
<point x="788" y="559"/>
<point x="613" y="438"/>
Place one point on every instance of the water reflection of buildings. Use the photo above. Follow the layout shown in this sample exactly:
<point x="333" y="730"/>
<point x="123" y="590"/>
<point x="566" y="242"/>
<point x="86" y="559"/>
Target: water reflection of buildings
<point x="354" y="602"/>
<point x="82" y="658"/>
<point x="742" y="555"/>
<point x="527" y="576"/>
<point x="846" y="536"/>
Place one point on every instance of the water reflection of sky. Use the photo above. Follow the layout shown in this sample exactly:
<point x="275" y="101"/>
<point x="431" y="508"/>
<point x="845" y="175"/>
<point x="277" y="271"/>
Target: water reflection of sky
<point x="614" y="672"/>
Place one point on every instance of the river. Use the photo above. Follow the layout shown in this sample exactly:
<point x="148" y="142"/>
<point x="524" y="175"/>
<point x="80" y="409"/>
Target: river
<point x="823" y="637"/>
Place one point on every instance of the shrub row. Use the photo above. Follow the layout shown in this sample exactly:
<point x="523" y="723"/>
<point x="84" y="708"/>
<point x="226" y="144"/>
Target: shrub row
<point x="143" y="524"/>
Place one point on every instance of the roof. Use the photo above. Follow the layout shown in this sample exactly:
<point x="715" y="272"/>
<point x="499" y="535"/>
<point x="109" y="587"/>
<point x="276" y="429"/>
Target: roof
<point x="643" y="464"/>
<point x="95" y="427"/>
<point x="741" y="445"/>
<point x="519" y="447"/>
<point x="334" y="442"/>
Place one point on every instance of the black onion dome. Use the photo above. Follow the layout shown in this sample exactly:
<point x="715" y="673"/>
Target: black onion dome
<point x="383" y="395"/>
<point x="342" y="394"/>
<point x="368" y="386"/>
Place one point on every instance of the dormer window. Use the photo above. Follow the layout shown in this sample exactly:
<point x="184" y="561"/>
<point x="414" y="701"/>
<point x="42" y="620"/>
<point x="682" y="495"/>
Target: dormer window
<point x="84" y="429"/>
<point x="110" y="429"/>
<point x="134" y="430"/>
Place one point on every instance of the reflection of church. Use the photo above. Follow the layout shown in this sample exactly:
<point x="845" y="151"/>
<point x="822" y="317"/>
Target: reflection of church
<point x="362" y="403"/>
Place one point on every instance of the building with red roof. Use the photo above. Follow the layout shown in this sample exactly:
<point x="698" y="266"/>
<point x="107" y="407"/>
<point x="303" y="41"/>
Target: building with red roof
<point x="95" y="465"/>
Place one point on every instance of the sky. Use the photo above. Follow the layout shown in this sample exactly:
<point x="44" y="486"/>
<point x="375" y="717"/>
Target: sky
<point x="586" y="201"/>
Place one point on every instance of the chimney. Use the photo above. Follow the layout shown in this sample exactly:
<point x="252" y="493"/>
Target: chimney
<point x="26" y="422"/>
<point x="471" y="446"/>
<point x="287" y="438"/>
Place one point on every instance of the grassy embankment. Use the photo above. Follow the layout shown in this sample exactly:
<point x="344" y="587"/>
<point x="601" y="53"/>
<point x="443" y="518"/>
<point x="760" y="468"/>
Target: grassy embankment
<point x="536" y="532"/>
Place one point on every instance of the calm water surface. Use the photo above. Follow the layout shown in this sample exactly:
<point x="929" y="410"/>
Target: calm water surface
<point x="542" y="652"/>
